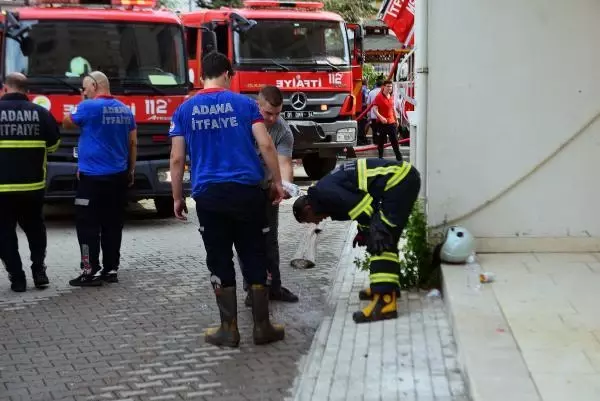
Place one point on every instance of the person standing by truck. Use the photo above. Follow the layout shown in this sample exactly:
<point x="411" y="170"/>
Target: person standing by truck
<point x="387" y="121"/>
<point x="107" y="154"/>
<point x="27" y="132"/>
<point x="372" y="122"/>
<point x="220" y="129"/>
<point x="270" y="102"/>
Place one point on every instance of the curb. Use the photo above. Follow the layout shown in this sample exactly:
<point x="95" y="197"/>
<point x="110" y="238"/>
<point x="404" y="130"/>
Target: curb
<point x="489" y="357"/>
<point x="319" y="341"/>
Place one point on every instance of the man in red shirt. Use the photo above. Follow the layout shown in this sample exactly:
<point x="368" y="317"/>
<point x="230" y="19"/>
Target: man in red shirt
<point x="383" y="107"/>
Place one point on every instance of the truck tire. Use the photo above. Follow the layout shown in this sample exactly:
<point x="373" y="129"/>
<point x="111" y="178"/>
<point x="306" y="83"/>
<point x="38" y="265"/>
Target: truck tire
<point x="164" y="206"/>
<point x="317" y="167"/>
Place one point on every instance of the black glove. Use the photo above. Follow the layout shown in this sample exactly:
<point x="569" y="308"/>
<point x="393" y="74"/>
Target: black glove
<point x="380" y="238"/>
<point x="360" y="239"/>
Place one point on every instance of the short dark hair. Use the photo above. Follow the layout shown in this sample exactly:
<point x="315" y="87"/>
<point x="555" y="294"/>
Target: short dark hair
<point x="379" y="81"/>
<point x="272" y="94"/>
<point x="387" y="82"/>
<point x="298" y="208"/>
<point x="215" y="64"/>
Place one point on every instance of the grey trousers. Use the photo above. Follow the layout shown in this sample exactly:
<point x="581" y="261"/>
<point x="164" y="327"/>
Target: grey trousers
<point x="273" y="273"/>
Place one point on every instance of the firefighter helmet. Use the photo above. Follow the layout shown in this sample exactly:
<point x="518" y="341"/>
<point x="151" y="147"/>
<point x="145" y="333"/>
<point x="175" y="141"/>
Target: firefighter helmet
<point x="458" y="245"/>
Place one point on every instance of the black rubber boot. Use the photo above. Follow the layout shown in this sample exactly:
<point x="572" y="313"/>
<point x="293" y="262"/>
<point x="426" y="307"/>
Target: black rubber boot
<point x="227" y="334"/>
<point x="264" y="331"/>
<point x="382" y="307"/>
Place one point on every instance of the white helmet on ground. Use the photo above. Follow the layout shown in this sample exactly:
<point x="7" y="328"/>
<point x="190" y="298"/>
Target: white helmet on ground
<point x="457" y="247"/>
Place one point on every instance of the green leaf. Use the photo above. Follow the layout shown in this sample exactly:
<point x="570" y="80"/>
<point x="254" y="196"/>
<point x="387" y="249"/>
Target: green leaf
<point x="352" y="11"/>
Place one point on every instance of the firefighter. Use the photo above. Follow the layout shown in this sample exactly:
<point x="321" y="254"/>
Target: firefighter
<point x="27" y="132"/>
<point x="219" y="129"/>
<point x="379" y="194"/>
<point x="106" y="156"/>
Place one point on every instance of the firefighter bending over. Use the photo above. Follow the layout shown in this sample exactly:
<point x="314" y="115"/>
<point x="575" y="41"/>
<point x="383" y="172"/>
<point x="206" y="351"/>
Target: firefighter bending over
<point x="379" y="194"/>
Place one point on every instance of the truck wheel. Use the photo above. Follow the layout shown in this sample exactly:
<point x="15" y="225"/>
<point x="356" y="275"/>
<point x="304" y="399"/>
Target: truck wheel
<point x="164" y="206"/>
<point x="317" y="167"/>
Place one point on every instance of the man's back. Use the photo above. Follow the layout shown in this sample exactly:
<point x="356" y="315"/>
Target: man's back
<point x="217" y="126"/>
<point x="104" y="140"/>
<point x="27" y="132"/>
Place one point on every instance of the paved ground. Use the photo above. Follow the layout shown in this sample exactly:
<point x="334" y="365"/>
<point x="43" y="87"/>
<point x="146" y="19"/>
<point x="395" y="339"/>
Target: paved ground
<point x="534" y="333"/>
<point x="142" y="338"/>
<point x="410" y="358"/>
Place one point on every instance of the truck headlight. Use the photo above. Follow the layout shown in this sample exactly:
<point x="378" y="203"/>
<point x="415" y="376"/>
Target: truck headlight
<point x="345" y="134"/>
<point x="164" y="175"/>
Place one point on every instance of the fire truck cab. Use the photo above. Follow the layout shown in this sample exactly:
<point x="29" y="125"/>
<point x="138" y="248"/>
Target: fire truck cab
<point x="298" y="47"/>
<point x="55" y="43"/>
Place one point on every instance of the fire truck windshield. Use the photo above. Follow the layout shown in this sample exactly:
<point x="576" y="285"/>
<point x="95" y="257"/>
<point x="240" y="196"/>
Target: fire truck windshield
<point x="295" y="43"/>
<point x="136" y="57"/>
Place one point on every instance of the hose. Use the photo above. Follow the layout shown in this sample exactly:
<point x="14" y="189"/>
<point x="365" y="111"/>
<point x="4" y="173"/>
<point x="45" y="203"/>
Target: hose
<point x="538" y="166"/>
<point x="365" y="148"/>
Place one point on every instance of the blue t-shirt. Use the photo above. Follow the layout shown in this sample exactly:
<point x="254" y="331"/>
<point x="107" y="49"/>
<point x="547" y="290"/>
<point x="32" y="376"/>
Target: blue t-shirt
<point x="217" y="127"/>
<point x="105" y="124"/>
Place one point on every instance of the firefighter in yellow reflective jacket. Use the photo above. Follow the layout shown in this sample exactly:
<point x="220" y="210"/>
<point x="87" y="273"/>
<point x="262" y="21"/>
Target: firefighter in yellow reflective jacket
<point x="27" y="133"/>
<point x="379" y="194"/>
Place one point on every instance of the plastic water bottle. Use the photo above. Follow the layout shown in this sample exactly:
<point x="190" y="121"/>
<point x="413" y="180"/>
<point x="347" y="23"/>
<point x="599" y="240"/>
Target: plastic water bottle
<point x="473" y="272"/>
<point x="291" y="188"/>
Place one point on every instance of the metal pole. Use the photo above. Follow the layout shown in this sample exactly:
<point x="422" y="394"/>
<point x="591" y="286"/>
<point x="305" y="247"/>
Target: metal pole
<point x="421" y="91"/>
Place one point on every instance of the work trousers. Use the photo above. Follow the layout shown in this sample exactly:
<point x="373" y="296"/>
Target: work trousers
<point x="374" y="131"/>
<point x="232" y="214"/>
<point x="26" y="210"/>
<point x="272" y="246"/>
<point x="100" y="209"/>
<point x="361" y="137"/>
<point x="396" y="205"/>
<point x="386" y="131"/>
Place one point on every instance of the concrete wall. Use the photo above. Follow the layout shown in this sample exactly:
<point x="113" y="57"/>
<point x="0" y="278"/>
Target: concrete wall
<point x="509" y="82"/>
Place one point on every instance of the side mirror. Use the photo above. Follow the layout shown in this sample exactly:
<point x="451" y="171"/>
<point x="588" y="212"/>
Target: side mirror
<point x="241" y="24"/>
<point x="26" y="45"/>
<point x="209" y="41"/>
<point x="14" y="28"/>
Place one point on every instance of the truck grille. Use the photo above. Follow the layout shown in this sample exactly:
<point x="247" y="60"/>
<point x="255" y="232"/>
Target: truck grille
<point x="153" y="143"/>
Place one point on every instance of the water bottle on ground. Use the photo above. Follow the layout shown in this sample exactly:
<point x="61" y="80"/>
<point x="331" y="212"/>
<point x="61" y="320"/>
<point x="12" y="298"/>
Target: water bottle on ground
<point x="473" y="270"/>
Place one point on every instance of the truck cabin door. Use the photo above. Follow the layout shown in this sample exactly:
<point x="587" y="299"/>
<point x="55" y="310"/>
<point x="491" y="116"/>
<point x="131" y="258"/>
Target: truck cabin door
<point x="191" y="43"/>
<point x="200" y="41"/>
<point x="355" y="39"/>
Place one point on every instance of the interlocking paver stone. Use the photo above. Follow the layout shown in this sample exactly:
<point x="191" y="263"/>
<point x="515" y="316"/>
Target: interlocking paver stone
<point x="410" y="358"/>
<point x="142" y="338"/>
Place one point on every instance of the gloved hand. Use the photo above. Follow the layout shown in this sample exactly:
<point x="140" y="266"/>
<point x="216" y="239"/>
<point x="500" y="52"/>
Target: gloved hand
<point x="380" y="238"/>
<point x="360" y="239"/>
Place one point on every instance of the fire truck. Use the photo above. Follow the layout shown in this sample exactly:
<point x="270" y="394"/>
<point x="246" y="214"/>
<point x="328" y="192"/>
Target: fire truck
<point x="55" y="43"/>
<point x="312" y="55"/>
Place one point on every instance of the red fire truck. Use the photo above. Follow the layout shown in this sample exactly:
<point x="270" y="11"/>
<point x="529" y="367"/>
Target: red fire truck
<point x="300" y="48"/>
<point x="141" y="50"/>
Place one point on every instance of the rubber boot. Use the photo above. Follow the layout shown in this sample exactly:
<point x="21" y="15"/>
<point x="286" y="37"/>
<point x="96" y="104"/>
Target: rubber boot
<point x="264" y="331"/>
<point x="227" y="334"/>
<point x="382" y="307"/>
<point x="367" y="294"/>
